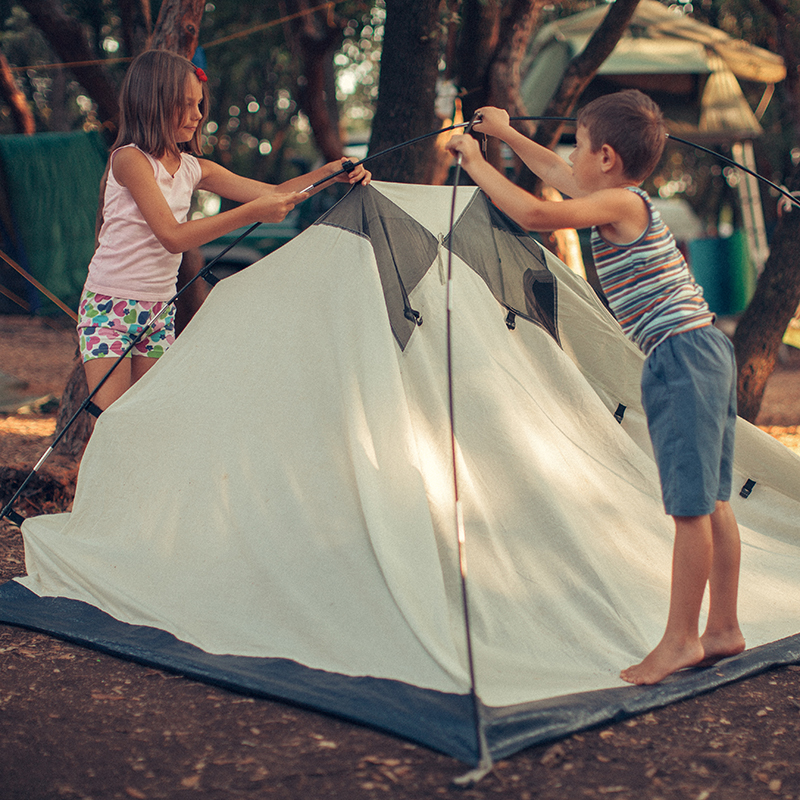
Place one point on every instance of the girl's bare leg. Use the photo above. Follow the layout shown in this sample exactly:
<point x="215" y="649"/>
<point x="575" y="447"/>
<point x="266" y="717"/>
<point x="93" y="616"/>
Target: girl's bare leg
<point x="680" y="645"/>
<point x="125" y="374"/>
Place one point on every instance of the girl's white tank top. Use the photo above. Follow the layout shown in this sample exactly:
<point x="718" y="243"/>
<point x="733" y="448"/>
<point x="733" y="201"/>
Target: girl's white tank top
<point x="130" y="262"/>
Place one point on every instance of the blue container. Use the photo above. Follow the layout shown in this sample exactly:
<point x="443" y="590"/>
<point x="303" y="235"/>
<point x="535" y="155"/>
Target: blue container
<point x="722" y="267"/>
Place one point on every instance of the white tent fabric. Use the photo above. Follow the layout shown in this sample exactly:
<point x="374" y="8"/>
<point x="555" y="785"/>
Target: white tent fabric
<point x="279" y="486"/>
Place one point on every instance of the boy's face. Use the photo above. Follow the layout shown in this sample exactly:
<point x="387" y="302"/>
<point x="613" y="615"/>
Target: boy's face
<point x="586" y="165"/>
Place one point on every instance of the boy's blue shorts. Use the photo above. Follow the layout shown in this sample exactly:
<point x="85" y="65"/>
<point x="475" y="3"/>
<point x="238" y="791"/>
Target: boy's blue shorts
<point x="689" y="397"/>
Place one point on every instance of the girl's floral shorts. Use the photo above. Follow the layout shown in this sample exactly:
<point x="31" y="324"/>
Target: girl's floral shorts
<point x="108" y="325"/>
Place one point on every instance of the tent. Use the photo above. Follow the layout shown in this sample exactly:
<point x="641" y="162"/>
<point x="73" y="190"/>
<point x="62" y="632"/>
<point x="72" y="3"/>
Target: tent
<point x="272" y="507"/>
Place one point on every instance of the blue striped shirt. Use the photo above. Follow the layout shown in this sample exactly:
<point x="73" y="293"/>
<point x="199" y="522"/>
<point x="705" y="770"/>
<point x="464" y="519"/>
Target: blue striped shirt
<point x="648" y="284"/>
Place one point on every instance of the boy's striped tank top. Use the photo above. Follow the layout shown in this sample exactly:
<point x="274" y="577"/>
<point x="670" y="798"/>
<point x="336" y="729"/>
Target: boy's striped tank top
<point x="648" y="284"/>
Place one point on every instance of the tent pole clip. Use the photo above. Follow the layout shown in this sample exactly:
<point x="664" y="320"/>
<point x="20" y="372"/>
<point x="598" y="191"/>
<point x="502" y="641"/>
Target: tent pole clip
<point x="210" y="278"/>
<point x="511" y="320"/>
<point x="620" y="413"/>
<point x="14" y="518"/>
<point x="413" y="316"/>
<point x="747" y="488"/>
<point x="93" y="409"/>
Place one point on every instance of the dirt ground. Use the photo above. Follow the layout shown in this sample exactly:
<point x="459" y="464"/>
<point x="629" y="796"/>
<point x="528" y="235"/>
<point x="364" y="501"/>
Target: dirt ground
<point x="75" y="723"/>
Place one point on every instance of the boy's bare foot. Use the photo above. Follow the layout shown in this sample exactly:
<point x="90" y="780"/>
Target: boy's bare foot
<point x="665" y="659"/>
<point x="720" y="644"/>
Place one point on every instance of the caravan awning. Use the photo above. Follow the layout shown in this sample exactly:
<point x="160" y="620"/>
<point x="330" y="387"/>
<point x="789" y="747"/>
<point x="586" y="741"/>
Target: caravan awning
<point x="689" y="67"/>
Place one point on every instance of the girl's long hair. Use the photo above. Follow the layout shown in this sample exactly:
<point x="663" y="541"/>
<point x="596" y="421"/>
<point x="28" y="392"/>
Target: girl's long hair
<point x="152" y="101"/>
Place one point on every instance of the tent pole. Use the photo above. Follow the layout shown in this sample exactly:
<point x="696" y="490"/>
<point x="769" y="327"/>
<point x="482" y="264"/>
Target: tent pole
<point x="7" y="511"/>
<point x="485" y="763"/>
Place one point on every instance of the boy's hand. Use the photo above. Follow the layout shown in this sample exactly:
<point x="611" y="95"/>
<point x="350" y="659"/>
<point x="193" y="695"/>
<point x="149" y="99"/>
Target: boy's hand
<point x="467" y="147"/>
<point x="493" y="121"/>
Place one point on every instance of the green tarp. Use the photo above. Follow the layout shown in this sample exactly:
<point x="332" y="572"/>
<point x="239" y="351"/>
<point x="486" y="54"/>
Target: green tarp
<point x="51" y="182"/>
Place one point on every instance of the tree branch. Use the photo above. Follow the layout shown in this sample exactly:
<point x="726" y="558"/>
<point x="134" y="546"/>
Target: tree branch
<point x="10" y="92"/>
<point x="584" y="67"/>
<point x="68" y="40"/>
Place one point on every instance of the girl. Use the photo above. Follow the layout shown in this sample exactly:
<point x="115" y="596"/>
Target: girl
<point x="150" y="179"/>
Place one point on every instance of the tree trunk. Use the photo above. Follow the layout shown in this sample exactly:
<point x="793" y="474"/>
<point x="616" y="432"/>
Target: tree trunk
<point x="518" y="20"/>
<point x="74" y="440"/>
<point x="10" y="92"/>
<point x="178" y="26"/>
<point x="177" y="29"/>
<point x="68" y="40"/>
<point x="137" y="25"/>
<point x="760" y="330"/>
<point x="407" y="91"/>
<point x="477" y="46"/>
<point x="314" y="37"/>
<point x="583" y="68"/>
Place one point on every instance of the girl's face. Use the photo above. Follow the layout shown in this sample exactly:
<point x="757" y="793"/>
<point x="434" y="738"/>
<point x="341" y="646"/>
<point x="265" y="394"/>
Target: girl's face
<point x="190" y="115"/>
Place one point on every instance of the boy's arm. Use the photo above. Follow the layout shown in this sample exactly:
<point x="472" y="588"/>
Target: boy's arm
<point x="549" y="166"/>
<point x="620" y="214"/>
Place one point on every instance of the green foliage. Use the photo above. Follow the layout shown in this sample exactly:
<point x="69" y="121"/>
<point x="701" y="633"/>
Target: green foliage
<point x="255" y="125"/>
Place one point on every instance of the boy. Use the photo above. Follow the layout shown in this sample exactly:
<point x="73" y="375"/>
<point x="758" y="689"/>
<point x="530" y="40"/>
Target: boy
<point x="688" y="382"/>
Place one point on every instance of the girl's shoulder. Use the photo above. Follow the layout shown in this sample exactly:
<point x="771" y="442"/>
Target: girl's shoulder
<point x="131" y="154"/>
<point x="129" y="159"/>
<point x="192" y="166"/>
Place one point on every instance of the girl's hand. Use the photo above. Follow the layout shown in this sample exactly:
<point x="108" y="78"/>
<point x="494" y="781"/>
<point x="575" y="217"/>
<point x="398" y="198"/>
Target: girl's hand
<point x="274" y="207"/>
<point x="494" y="121"/>
<point x="467" y="147"/>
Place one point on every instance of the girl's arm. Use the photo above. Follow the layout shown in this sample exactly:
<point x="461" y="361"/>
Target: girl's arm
<point x="549" y="166"/>
<point x="357" y="175"/>
<point x="260" y="203"/>
<point x="227" y="184"/>
<point x="620" y="214"/>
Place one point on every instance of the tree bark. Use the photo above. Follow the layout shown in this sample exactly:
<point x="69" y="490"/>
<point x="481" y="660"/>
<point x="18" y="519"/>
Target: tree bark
<point x="787" y="33"/>
<point x="137" y="25"/>
<point x="314" y="37"/>
<point x="583" y="68"/>
<point x="477" y="46"/>
<point x="10" y="92"/>
<point x="760" y="330"/>
<point x="518" y="20"/>
<point x="407" y="91"/>
<point x="68" y="40"/>
<point x="178" y="26"/>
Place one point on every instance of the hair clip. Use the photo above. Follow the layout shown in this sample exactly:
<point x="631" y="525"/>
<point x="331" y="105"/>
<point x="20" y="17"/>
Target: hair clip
<point x="201" y="76"/>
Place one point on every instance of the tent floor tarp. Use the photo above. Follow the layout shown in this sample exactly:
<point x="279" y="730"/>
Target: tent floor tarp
<point x="271" y="507"/>
<point x="440" y="721"/>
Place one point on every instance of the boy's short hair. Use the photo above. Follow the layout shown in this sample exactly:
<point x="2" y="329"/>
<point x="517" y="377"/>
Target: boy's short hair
<point x="632" y="124"/>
